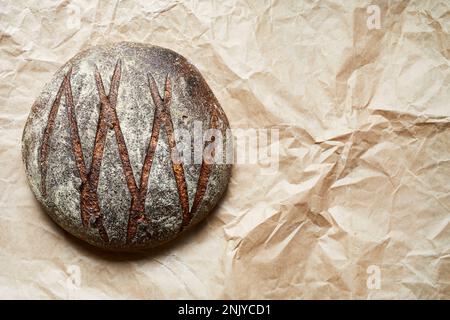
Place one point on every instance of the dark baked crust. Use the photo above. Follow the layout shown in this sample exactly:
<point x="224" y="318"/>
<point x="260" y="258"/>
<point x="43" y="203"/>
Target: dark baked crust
<point x="99" y="160"/>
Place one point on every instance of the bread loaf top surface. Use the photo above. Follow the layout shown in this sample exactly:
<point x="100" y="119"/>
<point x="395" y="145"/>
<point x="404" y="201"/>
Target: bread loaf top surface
<point x="103" y="143"/>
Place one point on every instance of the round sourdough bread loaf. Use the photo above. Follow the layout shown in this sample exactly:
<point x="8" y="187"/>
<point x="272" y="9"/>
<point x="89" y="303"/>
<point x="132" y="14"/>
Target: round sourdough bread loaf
<point x="122" y="146"/>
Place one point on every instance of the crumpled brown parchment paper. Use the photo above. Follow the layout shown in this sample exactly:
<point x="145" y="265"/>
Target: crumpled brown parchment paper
<point x="359" y="204"/>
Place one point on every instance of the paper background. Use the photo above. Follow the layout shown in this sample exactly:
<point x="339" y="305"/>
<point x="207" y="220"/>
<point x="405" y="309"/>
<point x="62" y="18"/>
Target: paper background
<point x="364" y="164"/>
